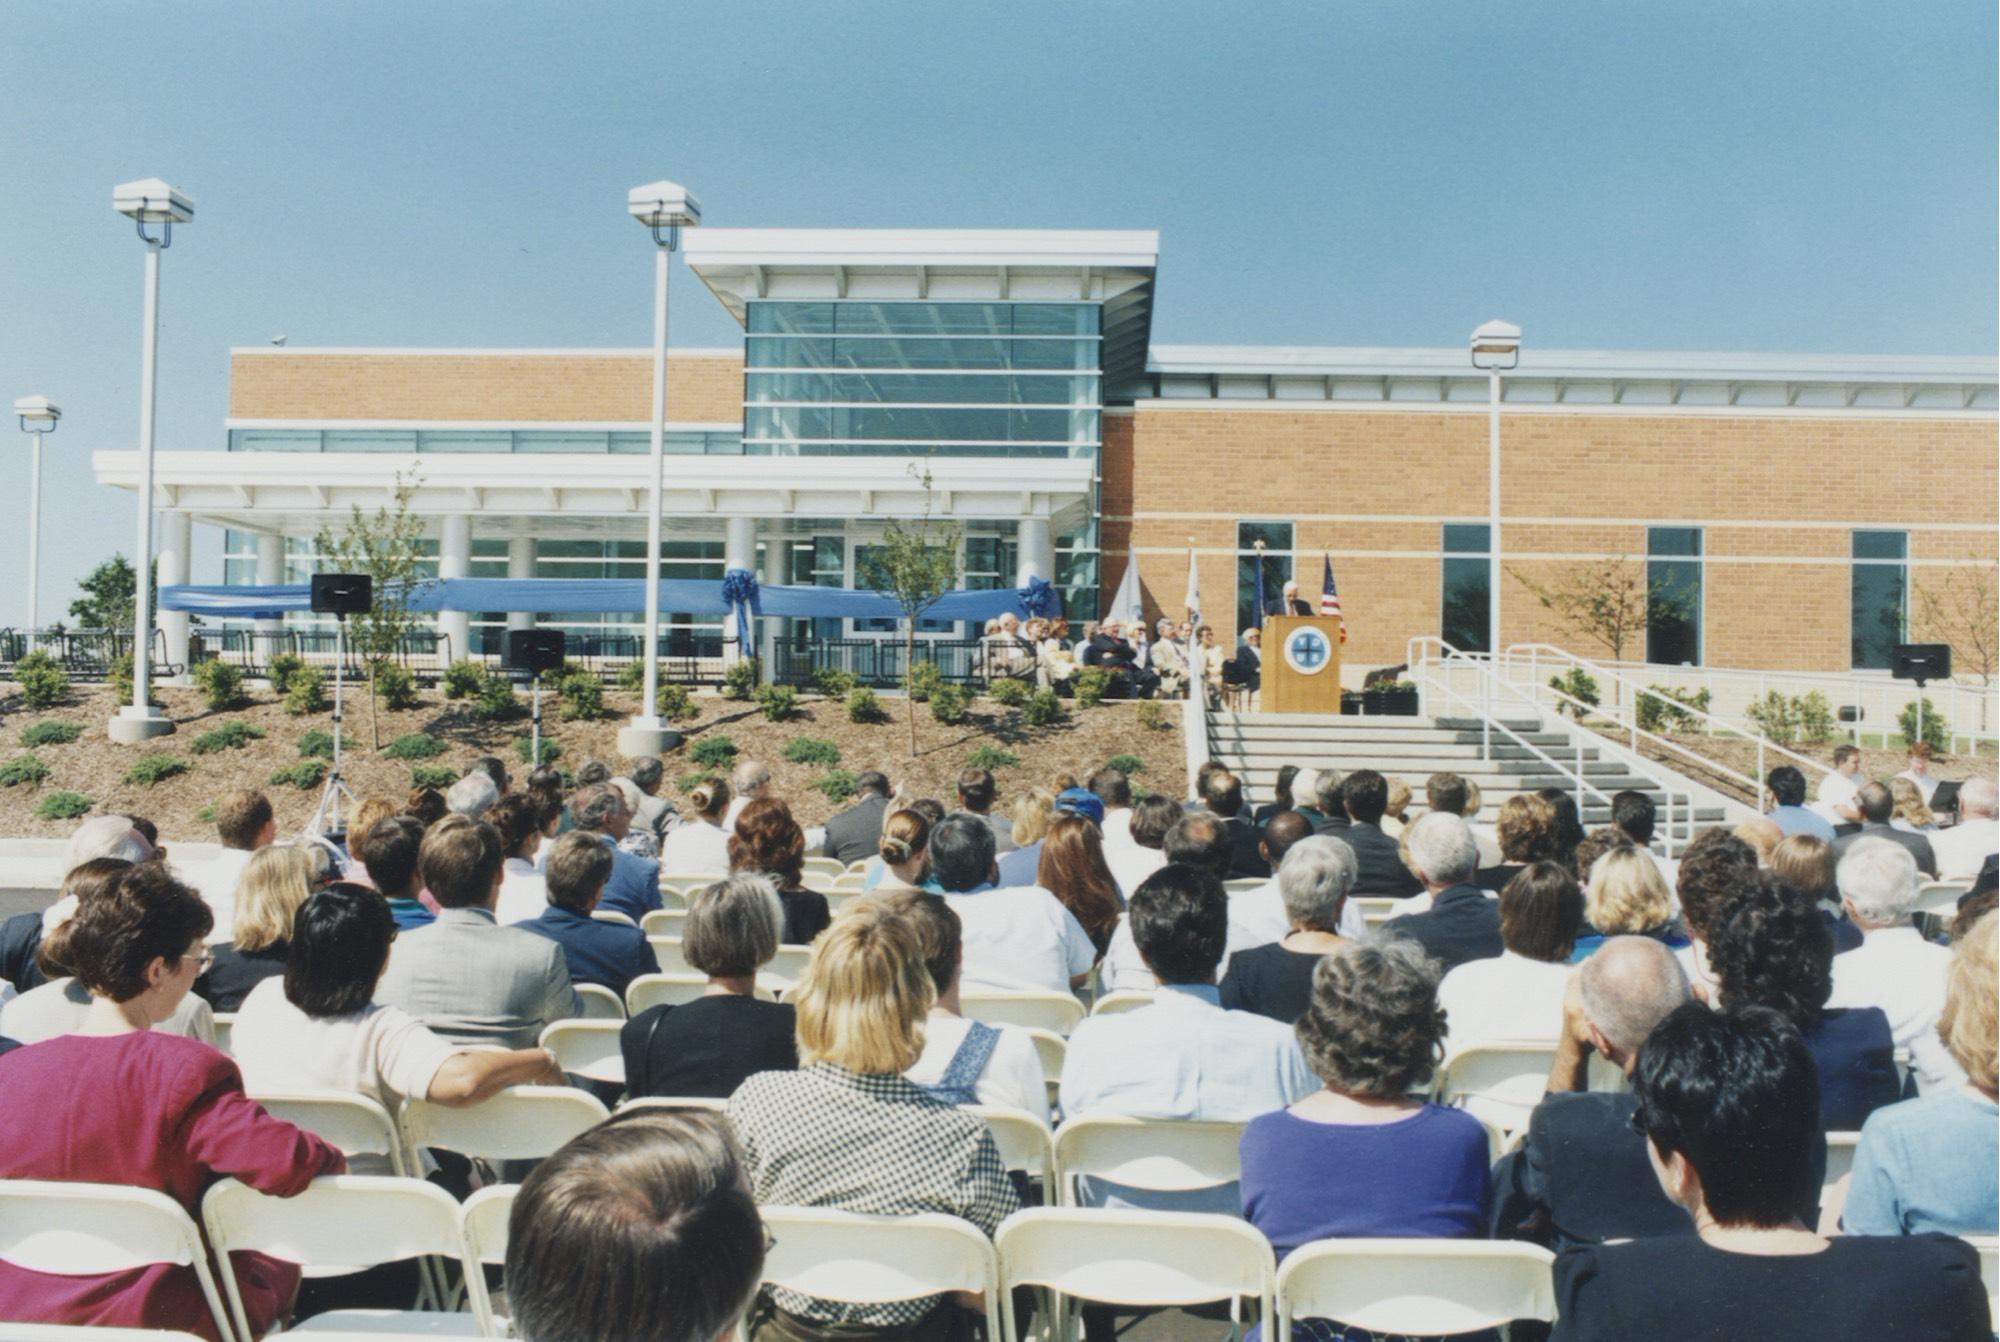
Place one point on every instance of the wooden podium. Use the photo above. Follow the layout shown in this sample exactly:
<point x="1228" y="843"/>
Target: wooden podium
<point x="1301" y="664"/>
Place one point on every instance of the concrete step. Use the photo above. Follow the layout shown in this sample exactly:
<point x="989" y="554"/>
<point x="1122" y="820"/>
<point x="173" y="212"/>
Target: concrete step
<point x="1470" y="766"/>
<point x="1438" y="745"/>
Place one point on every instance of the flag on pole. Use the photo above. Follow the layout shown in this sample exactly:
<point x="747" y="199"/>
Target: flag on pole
<point x="1126" y="605"/>
<point x="1263" y="606"/>
<point x="1193" y="601"/>
<point x="1329" y="599"/>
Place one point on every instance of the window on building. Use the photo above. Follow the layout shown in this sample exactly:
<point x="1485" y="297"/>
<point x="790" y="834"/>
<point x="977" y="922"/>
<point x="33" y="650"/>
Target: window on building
<point x="1275" y="565"/>
<point x="1673" y="595"/>
<point x="1467" y="598"/>
<point x="1879" y="609"/>
<point x="868" y="573"/>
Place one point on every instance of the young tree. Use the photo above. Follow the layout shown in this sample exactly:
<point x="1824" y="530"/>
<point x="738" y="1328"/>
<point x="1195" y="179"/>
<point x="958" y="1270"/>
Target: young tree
<point x="106" y="602"/>
<point x="387" y="545"/>
<point x="1962" y="608"/>
<point x="1608" y="601"/>
<point x="916" y="565"/>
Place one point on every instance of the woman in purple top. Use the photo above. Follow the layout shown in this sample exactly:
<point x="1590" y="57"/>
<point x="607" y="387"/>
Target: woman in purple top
<point x="1363" y="1156"/>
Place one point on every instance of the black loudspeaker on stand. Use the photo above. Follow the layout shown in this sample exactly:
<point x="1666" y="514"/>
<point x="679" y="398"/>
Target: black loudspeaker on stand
<point x="535" y="651"/>
<point x="1921" y="662"/>
<point x="339" y="595"/>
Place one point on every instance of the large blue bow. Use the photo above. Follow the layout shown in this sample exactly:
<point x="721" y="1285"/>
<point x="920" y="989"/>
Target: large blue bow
<point x="739" y="590"/>
<point x="1040" y="599"/>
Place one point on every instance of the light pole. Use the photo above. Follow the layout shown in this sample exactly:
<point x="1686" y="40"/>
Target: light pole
<point x="1496" y="348"/>
<point x="664" y="208"/>
<point x="149" y="201"/>
<point x="38" y="416"/>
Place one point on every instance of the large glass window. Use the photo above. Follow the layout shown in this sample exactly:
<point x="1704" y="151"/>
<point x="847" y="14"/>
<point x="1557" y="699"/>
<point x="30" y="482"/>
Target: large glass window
<point x="1879" y="608"/>
<point x="1673" y="595"/>
<point x="868" y="572"/>
<point x="679" y="442"/>
<point x="1467" y="596"/>
<point x="1275" y="563"/>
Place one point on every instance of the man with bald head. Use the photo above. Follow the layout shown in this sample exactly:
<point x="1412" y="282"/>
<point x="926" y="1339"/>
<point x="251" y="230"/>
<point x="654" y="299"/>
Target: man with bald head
<point x="1877" y="804"/>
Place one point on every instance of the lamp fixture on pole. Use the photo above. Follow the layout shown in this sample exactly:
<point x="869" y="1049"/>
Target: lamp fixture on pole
<point x="1496" y="348"/>
<point x="39" y="416"/>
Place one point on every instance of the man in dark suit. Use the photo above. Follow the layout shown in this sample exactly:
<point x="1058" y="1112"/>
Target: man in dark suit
<point x="1378" y="865"/>
<point x="1329" y="812"/>
<point x="854" y="834"/>
<point x="1108" y="650"/>
<point x="1223" y="794"/>
<point x="1463" y="923"/>
<point x="1250" y="659"/>
<point x="1877" y="804"/>
<point x="1289" y="603"/>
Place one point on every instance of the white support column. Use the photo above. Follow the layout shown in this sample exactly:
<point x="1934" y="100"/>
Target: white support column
<point x="1035" y="551"/>
<point x="455" y="561"/>
<point x="172" y="570"/>
<point x="521" y="564"/>
<point x="739" y="550"/>
<point x="270" y="572"/>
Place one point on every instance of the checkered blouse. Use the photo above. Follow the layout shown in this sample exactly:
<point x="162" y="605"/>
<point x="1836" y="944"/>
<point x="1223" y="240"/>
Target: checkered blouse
<point x="865" y="1142"/>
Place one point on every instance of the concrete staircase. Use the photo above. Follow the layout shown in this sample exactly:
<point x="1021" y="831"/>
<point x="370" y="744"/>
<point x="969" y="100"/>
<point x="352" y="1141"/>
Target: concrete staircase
<point x="1256" y="745"/>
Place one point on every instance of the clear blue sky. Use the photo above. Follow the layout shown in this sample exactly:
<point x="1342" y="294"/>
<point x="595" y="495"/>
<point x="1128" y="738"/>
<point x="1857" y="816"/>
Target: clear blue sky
<point x="1787" y="175"/>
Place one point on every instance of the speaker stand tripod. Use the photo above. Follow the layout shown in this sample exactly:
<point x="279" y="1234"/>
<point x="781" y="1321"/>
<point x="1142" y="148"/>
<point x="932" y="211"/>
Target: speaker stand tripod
<point x="327" y="815"/>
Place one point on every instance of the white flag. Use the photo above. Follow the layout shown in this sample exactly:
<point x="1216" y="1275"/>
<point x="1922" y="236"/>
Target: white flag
<point x="1125" y="603"/>
<point x="1193" y="601"/>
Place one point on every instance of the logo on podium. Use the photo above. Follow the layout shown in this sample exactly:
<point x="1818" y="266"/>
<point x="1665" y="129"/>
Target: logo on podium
<point x="1307" y="651"/>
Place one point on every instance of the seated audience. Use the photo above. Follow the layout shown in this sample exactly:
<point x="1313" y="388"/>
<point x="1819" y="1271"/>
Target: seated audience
<point x="1258" y="917"/>
<point x="1835" y="800"/>
<point x="1627" y="897"/>
<point x="1379" y="868"/>
<point x="699" y="845"/>
<point x="605" y="953"/>
<point x="1727" y="1102"/>
<point x="465" y="976"/>
<point x="1876" y="804"/>
<point x="1462" y="922"/>
<point x="914" y="867"/>
<point x="1529" y="830"/>
<point x="1569" y="822"/>
<point x="1518" y="994"/>
<point x="1806" y="864"/>
<point x="1894" y="968"/>
<point x="1329" y="809"/>
<point x="1222" y="794"/>
<point x="768" y="841"/>
<point x="1714" y="862"/>
<point x="1769" y="948"/>
<point x="274" y="883"/>
<point x="849" y="1131"/>
<point x="1404" y="1168"/>
<point x="1315" y="875"/>
<point x="494" y="768"/>
<point x="1584" y="1177"/>
<point x="976" y="793"/>
<point x="1281" y="796"/>
<point x="389" y="855"/>
<point x="1910" y="813"/>
<point x="654" y="814"/>
<point x="638" y="839"/>
<point x="708" y="1046"/>
<point x="244" y="822"/>
<point x="1762" y="835"/>
<point x="426" y="806"/>
<point x="1074" y="871"/>
<point x="1395" y="816"/>
<point x="1786" y="787"/>
<point x="1031" y="814"/>
<point x="634" y="889"/>
<point x="1961" y="849"/>
<point x="642" y="1229"/>
<point x="853" y="834"/>
<point x="750" y="780"/>
<point x="1197" y="839"/>
<point x="22" y="965"/>
<point x="1929" y="1164"/>
<point x="524" y="894"/>
<point x="115" y="1100"/>
<point x="966" y="1061"/>
<point x="1919" y="774"/>
<point x="473" y="795"/>
<point x="1114" y="790"/>
<point x="1017" y="937"/>
<point x="1142" y="854"/>
<point x="1634" y="816"/>
<point x="904" y="852"/>
<point x="318" y="1026"/>
<point x="371" y="812"/>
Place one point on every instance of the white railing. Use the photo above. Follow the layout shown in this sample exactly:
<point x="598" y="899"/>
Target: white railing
<point x="1437" y="668"/>
<point x="1194" y="734"/>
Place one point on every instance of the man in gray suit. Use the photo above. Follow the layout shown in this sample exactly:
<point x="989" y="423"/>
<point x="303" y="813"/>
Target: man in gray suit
<point x="655" y="812"/>
<point x="1877" y="804"/>
<point x="855" y="834"/>
<point x="465" y="976"/>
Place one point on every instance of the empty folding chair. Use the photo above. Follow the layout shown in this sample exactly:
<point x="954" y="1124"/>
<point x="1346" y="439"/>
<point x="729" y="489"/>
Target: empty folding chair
<point x="1025" y="1143"/>
<point x="101" y="1228"/>
<point x="664" y="922"/>
<point x="1126" y="999"/>
<point x="1056" y="1012"/>
<point x="354" y="1123"/>
<point x="789" y="963"/>
<point x="482" y="1227"/>
<point x="1132" y="1258"/>
<point x="599" y="1002"/>
<point x="671" y="955"/>
<point x="1839" y="1177"/>
<point x="1050" y="1050"/>
<point x="342" y="1223"/>
<point x="587" y="1047"/>
<point x="613" y="916"/>
<point x="857" y="1259"/>
<point x="1162" y="1155"/>
<point x="225" y="1027"/>
<point x="520" y="1123"/>
<point x="1499" y="1083"/>
<point x="651" y="990"/>
<point x="1416" y="1286"/>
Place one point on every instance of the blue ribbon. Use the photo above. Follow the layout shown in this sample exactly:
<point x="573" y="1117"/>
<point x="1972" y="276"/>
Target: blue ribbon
<point x="739" y="591"/>
<point x="1040" y="599"/>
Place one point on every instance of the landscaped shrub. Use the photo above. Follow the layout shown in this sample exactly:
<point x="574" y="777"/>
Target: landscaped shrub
<point x="1010" y="693"/>
<point x="1090" y="684"/>
<point x="1816" y="723"/>
<point x="779" y="702"/>
<point x="496" y="700"/>
<point x="1150" y="714"/>
<point x="462" y="679"/>
<point x="229" y="736"/>
<point x="833" y="682"/>
<point x="156" y="768"/>
<point x="303" y="775"/>
<point x="1937" y="732"/>
<point x="811" y="750"/>
<point x="1806" y="717"/>
<point x="305" y="692"/>
<point x="1663" y="709"/>
<point x="43" y="683"/>
<point x="1129" y="765"/>
<point x="206" y="814"/>
<point x="991" y="757"/>
<point x="837" y="786"/>
<point x="632" y="676"/>
<point x="713" y="752"/>
<point x="582" y="697"/>
<point x="284" y="665"/>
<point x="221" y="684"/>
<point x="317" y="744"/>
<point x="439" y="776"/>
<point x="690" y="781"/>
<point x="949" y="703"/>
<point x="864" y="705"/>
<point x="414" y="746"/>
<point x="673" y="702"/>
<point x="27" y="769"/>
<point x="397" y="685"/>
<point x="118" y="675"/>
<point x="524" y="750"/>
<point x="50" y="732"/>
<point x="1579" y="685"/>
<point x="63" y="806"/>
<point x="1044" y="710"/>
<point x="925" y="678"/>
<point x="740" y="680"/>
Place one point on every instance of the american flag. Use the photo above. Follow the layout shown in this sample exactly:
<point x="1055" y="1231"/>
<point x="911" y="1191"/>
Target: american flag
<point x="1329" y="599"/>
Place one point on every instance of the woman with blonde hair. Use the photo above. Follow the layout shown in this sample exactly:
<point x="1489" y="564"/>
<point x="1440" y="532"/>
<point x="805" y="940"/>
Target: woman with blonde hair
<point x="848" y="1131"/>
<point x="1627" y="897"/>
<point x="1031" y="814"/>
<point x="699" y="845"/>
<point x="275" y="882"/>
<point x="1912" y="814"/>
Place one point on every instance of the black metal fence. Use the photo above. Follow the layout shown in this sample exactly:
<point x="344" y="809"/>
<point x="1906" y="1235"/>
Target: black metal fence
<point x="85" y="654"/>
<point x="872" y="661"/>
<point x="424" y="651"/>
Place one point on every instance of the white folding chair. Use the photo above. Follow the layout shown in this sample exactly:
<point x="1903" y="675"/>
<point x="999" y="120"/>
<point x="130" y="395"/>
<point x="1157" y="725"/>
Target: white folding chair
<point x="66" y="1332"/>
<point x="225" y="1029"/>
<point x="703" y="1102"/>
<point x="1157" y="1154"/>
<point x="1025" y="1142"/>
<point x="599" y="1002"/>
<point x="613" y="916"/>
<point x="1375" y="909"/>
<point x="1839" y="1177"/>
<point x="671" y="955"/>
<point x="692" y="881"/>
<point x="1126" y="999"/>
<point x="857" y="1259"/>
<point x="789" y="963"/>
<point x="848" y="883"/>
<point x="354" y="1123"/>
<point x="664" y="922"/>
<point x="1988" y="1247"/>
<point x="1500" y="1083"/>
<point x="651" y="990"/>
<point x="1050" y="1051"/>
<point x="1416" y="1286"/>
<point x="1141" y="1259"/>
<point x="1243" y="885"/>
<point x="587" y="1047"/>
<point x="520" y="1123"/>
<point x="482" y="1227"/>
<point x="1940" y="896"/>
<point x="830" y="867"/>
<point x="342" y="1223"/>
<point x="1056" y="1012"/>
<point x="82" y="1228"/>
